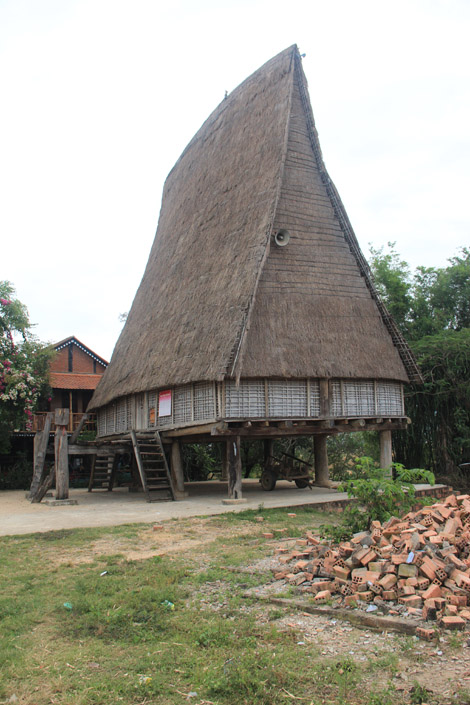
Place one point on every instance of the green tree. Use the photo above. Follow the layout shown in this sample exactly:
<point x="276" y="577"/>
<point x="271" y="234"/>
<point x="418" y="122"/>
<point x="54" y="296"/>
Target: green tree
<point x="432" y="308"/>
<point x="394" y="283"/>
<point x="24" y="366"/>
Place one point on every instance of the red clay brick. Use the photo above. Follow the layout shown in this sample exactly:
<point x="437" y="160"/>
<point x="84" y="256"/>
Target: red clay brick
<point x="322" y="596"/>
<point x="427" y="634"/>
<point x="452" y="623"/>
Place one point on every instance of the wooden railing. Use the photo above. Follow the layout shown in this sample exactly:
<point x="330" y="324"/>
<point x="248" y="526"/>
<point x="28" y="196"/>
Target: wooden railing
<point x="74" y="420"/>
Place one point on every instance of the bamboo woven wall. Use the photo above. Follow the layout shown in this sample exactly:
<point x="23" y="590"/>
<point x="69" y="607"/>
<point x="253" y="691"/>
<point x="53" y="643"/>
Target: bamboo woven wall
<point x="252" y="399"/>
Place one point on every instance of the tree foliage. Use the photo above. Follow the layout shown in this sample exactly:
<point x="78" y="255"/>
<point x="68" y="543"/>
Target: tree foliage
<point x="24" y="366"/>
<point x="432" y="308"/>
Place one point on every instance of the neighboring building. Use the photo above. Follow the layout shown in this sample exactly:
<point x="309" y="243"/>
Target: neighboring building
<point x="257" y="316"/>
<point x="74" y="375"/>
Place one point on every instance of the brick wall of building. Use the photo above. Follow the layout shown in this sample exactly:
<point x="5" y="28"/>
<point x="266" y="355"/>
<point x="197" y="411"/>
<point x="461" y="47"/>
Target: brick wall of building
<point x="81" y="362"/>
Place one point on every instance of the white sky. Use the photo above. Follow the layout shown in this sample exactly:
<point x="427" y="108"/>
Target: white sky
<point x="100" y="97"/>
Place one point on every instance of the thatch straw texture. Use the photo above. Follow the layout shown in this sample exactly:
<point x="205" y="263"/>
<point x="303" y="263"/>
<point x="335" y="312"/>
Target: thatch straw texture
<point x="218" y="298"/>
<point x="313" y="314"/>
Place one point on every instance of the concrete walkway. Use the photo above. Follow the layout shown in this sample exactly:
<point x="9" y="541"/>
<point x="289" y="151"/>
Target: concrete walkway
<point x="101" y="508"/>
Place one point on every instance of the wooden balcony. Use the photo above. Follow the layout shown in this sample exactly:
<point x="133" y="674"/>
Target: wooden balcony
<point x="90" y="423"/>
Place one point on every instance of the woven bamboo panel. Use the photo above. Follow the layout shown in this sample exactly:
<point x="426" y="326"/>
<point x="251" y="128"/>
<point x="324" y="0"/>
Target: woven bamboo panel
<point x="336" y="400"/>
<point x="141" y="419"/>
<point x="287" y="398"/>
<point x="358" y="398"/>
<point x="129" y="412"/>
<point x="102" y="422"/>
<point x="110" y="419"/>
<point x="182" y="404"/>
<point x="204" y="401"/>
<point x="245" y="400"/>
<point x="314" y="397"/>
<point x="121" y="415"/>
<point x="390" y="399"/>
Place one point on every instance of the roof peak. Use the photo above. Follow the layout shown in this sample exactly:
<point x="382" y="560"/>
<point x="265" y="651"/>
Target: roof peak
<point x="72" y="340"/>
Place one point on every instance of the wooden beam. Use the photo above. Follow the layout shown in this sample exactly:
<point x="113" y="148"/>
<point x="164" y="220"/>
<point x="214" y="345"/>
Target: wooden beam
<point x="328" y="427"/>
<point x="234" y="466"/>
<point x="44" y="487"/>
<point x="62" y="417"/>
<point x="41" y="442"/>
<point x="177" y="467"/>
<point x="272" y="431"/>
<point x="324" y="388"/>
<point x="322" y="473"/>
<point x="194" y="430"/>
<point x="80" y="449"/>
<point x="78" y="430"/>
<point x="385" y="439"/>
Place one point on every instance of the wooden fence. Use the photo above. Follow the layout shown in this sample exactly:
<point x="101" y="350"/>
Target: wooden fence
<point x="74" y="421"/>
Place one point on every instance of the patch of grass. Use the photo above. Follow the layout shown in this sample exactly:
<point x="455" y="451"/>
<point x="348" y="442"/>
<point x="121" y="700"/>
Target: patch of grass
<point x="455" y="640"/>
<point x="385" y="696"/>
<point x="387" y="662"/>
<point x="122" y="642"/>
<point x="419" y="694"/>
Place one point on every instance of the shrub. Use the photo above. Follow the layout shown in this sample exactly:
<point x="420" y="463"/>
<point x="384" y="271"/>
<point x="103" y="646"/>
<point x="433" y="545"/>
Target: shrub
<point x="380" y="494"/>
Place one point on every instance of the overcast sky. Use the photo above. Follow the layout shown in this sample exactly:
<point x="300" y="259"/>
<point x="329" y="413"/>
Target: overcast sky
<point x="100" y="97"/>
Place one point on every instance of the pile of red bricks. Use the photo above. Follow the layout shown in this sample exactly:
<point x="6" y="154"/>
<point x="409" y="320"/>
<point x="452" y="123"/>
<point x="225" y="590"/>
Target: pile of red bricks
<point x="418" y="566"/>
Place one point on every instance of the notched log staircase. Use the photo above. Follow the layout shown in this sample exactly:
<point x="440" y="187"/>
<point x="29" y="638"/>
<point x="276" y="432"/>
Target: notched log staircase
<point x="151" y="463"/>
<point x="103" y="472"/>
<point x="153" y="467"/>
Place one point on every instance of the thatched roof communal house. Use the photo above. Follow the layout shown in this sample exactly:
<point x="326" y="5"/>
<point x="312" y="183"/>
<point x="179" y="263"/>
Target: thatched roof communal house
<point x="256" y="316"/>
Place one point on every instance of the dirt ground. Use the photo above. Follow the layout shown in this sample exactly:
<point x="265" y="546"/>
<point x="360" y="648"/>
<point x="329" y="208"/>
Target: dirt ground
<point x="403" y="662"/>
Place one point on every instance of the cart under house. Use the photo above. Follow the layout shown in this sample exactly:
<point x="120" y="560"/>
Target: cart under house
<point x="257" y="316"/>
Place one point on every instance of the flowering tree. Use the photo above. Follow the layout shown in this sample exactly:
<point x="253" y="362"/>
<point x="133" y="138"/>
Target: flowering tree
<point x="24" y="366"/>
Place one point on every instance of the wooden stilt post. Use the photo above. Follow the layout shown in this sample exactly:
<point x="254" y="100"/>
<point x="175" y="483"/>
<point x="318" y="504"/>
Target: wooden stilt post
<point x="234" y="465"/>
<point x="177" y="475"/>
<point x="62" y="417"/>
<point x="322" y="473"/>
<point x="385" y="439"/>
<point x="41" y="441"/>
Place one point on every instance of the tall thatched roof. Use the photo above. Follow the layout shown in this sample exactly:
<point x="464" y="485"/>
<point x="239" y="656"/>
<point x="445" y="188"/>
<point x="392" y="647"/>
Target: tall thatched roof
<point x="218" y="298"/>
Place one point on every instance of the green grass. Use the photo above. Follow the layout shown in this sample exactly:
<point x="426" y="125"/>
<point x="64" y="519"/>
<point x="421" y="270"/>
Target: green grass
<point x="120" y="642"/>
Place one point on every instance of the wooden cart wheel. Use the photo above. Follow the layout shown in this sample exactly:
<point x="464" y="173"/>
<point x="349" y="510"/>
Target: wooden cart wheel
<point x="268" y="480"/>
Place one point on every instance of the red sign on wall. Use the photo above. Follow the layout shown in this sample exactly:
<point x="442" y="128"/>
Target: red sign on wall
<point x="164" y="403"/>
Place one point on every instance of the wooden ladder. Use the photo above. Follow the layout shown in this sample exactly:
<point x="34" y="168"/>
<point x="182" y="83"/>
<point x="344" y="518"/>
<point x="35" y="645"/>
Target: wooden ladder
<point x="103" y="472"/>
<point x="153" y="467"/>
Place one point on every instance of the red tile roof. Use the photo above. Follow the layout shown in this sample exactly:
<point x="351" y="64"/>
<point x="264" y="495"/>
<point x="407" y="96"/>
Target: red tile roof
<point x="64" y="380"/>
